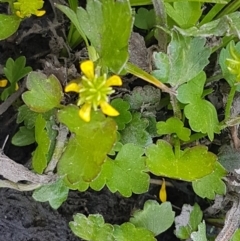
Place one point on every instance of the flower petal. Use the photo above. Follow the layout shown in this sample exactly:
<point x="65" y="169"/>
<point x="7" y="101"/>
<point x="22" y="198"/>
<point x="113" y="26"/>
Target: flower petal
<point x="108" y="109"/>
<point x="87" y="68"/>
<point x="85" y="112"/>
<point x="114" y="81"/>
<point x="40" y="13"/>
<point x="3" y="83"/>
<point x="72" y="86"/>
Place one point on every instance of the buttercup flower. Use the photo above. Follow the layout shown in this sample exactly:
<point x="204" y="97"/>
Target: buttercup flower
<point x="93" y="91"/>
<point x="233" y="63"/>
<point x="25" y="8"/>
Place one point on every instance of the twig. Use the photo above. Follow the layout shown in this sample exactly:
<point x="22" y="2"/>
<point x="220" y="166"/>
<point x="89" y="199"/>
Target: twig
<point x="232" y="221"/>
<point x="59" y="148"/>
<point x="16" y="172"/>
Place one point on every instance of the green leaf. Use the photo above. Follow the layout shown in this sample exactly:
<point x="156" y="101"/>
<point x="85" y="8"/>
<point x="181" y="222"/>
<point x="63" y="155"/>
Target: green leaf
<point x="185" y="14"/>
<point x="229" y="158"/>
<point x="14" y="71"/>
<point x="23" y="137"/>
<point x="108" y="36"/>
<point x="202" y="114"/>
<point x="212" y="184"/>
<point x="125" y="115"/>
<point x="188" y="220"/>
<point x="148" y="2"/>
<point x="73" y="17"/>
<point x="91" y="228"/>
<point x="55" y="193"/>
<point x="88" y="146"/>
<point x="135" y="131"/>
<point x="236" y="236"/>
<point x="174" y="125"/>
<point x="200" y="235"/>
<point x="186" y="58"/>
<point x="9" y="25"/>
<point x="147" y="96"/>
<point x="39" y="160"/>
<point x="128" y="231"/>
<point x="224" y="55"/>
<point x="225" y="26"/>
<point x="145" y="19"/>
<point x="126" y="174"/>
<point x="154" y="217"/>
<point x="44" y="93"/>
<point x="192" y="164"/>
<point x="27" y="116"/>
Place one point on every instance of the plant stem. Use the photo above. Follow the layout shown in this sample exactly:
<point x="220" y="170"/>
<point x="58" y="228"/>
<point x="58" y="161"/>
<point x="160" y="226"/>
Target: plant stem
<point x="214" y="78"/>
<point x="229" y="102"/>
<point x="212" y="13"/>
<point x="230" y="8"/>
<point x="175" y="106"/>
<point x="177" y="147"/>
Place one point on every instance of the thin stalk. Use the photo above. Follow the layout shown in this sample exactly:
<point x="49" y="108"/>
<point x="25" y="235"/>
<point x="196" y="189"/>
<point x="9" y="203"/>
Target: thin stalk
<point x="214" y="78"/>
<point x="175" y="106"/>
<point x="213" y="13"/>
<point x="230" y="8"/>
<point x="177" y="148"/>
<point x="229" y="102"/>
<point x="133" y="69"/>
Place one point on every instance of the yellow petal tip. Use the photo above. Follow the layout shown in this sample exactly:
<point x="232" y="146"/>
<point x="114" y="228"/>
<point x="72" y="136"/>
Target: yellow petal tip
<point x="87" y="68"/>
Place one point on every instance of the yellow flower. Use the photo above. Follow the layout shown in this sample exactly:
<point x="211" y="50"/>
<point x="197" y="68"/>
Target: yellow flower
<point x="25" y="8"/>
<point x="3" y="83"/>
<point x="162" y="192"/>
<point x="93" y="91"/>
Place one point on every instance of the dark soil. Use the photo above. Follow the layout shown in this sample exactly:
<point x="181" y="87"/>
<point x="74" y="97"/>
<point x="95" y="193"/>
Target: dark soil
<point x="21" y="217"/>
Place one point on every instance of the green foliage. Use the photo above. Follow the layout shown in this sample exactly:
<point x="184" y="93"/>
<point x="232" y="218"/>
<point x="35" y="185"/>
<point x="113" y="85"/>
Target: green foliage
<point x="40" y="156"/>
<point x="118" y="152"/>
<point x="88" y="146"/>
<point x="26" y="116"/>
<point x="174" y="125"/>
<point x="93" y="228"/>
<point x="128" y="231"/>
<point x="108" y="36"/>
<point x="121" y="174"/>
<point x="212" y="184"/>
<point x="9" y="24"/>
<point x="145" y="19"/>
<point x="186" y="14"/>
<point x="146" y="97"/>
<point x="185" y="165"/>
<point x="14" y="71"/>
<point x="24" y="137"/>
<point x="228" y="76"/>
<point x="154" y="217"/>
<point x="197" y="108"/>
<point x="226" y="25"/>
<point x="236" y="236"/>
<point x="188" y="221"/>
<point x="123" y="108"/>
<point x="185" y="59"/>
<point x="135" y="131"/>
<point x="44" y="93"/>
<point x="200" y="235"/>
<point x="55" y="193"/>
